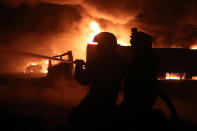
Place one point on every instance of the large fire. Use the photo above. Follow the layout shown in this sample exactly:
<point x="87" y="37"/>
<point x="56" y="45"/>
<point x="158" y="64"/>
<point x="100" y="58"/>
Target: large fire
<point x="174" y="76"/>
<point x="194" y="47"/>
<point x="34" y="67"/>
<point x="95" y="29"/>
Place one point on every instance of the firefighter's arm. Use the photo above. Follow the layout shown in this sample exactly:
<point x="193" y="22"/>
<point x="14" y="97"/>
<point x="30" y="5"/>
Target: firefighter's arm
<point x="81" y="74"/>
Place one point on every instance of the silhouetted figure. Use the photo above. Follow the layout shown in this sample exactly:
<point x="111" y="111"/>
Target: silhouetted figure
<point x="141" y="79"/>
<point x="140" y="89"/>
<point x="104" y="75"/>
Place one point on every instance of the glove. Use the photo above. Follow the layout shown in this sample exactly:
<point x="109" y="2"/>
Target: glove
<point x="79" y="63"/>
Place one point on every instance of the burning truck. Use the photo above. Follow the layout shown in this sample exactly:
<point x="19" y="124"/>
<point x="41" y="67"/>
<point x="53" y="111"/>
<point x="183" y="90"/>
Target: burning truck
<point x="177" y="61"/>
<point x="34" y="68"/>
<point x="54" y="65"/>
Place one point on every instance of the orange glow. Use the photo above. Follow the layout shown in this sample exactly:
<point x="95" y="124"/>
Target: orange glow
<point x="122" y="43"/>
<point x="174" y="76"/>
<point x="194" y="77"/>
<point x="95" y="29"/>
<point x="33" y="63"/>
<point x="91" y="29"/>
<point x="43" y="64"/>
<point x="193" y="47"/>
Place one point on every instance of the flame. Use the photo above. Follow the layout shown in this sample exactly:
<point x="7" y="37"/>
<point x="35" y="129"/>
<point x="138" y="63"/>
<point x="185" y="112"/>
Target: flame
<point x="174" y="76"/>
<point x="193" y="47"/>
<point x="122" y="43"/>
<point x="44" y="65"/>
<point x="95" y="29"/>
<point x="33" y="63"/>
<point x="92" y="30"/>
<point x="194" y="77"/>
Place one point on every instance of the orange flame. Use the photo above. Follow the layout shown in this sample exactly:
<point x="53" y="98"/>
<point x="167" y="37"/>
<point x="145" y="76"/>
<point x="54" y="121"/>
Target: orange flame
<point x="33" y="63"/>
<point x="44" y="65"/>
<point x="194" y="77"/>
<point x="174" y="76"/>
<point x="193" y="47"/>
<point x="95" y="29"/>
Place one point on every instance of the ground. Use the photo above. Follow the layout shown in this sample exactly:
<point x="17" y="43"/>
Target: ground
<point x="30" y="103"/>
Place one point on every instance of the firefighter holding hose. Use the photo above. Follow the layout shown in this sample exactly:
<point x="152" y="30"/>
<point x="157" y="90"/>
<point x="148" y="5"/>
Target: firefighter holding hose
<point x="104" y="75"/>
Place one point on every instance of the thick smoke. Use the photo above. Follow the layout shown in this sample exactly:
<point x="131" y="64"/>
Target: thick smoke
<point x="171" y="23"/>
<point x="44" y="29"/>
<point x="50" y="27"/>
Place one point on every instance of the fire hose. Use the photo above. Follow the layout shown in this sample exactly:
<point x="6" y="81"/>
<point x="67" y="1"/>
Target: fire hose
<point x="172" y="109"/>
<point x="162" y="95"/>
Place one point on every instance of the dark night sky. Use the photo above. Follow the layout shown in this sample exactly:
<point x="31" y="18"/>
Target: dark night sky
<point x="52" y="26"/>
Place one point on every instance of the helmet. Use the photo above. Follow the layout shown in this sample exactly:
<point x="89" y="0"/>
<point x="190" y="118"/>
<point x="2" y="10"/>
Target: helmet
<point x="106" y="39"/>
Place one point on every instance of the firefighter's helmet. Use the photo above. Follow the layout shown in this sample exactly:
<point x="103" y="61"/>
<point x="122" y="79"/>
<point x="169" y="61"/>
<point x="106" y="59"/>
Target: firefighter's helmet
<point x="106" y="40"/>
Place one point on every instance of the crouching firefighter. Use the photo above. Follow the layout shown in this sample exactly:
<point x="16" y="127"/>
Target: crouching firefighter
<point x="104" y="75"/>
<point x="141" y="90"/>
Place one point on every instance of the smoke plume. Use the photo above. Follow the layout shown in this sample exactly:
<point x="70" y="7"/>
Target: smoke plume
<point x="51" y="27"/>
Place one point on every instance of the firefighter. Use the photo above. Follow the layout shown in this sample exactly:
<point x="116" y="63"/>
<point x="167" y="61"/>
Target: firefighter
<point x="141" y="79"/>
<point x="140" y="89"/>
<point x="104" y="75"/>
